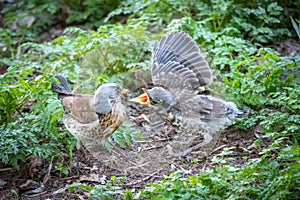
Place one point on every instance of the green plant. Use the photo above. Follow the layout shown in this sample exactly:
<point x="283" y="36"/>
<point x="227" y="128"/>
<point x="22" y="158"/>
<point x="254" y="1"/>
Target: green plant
<point x="109" y="190"/>
<point x="15" y="193"/>
<point x="154" y="13"/>
<point x="261" y="179"/>
<point x="61" y="169"/>
<point x="259" y="22"/>
<point x="263" y="22"/>
<point x="296" y="27"/>
<point x="231" y="35"/>
<point x="92" y="12"/>
<point x="105" y="53"/>
<point x="266" y="83"/>
<point x="33" y="17"/>
<point x="8" y="42"/>
<point x="125" y="134"/>
<point x="30" y="112"/>
<point x="25" y="128"/>
<point x="257" y="80"/>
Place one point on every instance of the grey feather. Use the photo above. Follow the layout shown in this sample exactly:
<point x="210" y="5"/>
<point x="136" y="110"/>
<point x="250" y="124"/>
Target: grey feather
<point x="179" y="68"/>
<point x="62" y="88"/>
<point x="105" y="96"/>
<point x="180" y="48"/>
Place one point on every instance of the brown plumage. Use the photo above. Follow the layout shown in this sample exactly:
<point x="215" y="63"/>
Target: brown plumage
<point x="179" y="73"/>
<point x="91" y="118"/>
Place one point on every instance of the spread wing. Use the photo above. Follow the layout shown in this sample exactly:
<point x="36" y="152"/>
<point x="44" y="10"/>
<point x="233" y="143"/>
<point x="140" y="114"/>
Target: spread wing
<point x="178" y="66"/>
<point x="181" y="49"/>
<point x="177" y="79"/>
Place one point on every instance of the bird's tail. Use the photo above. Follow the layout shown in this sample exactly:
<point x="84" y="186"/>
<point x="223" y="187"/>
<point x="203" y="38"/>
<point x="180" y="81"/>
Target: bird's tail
<point x="219" y="109"/>
<point x="62" y="88"/>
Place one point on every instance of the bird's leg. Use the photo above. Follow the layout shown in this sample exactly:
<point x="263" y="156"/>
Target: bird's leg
<point x="79" y="144"/>
<point x="79" y="147"/>
<point x="170" y="117"/>
<point x="207" y="139"/>
<point x="120" y="151"/>
<point x="117" y="148"/>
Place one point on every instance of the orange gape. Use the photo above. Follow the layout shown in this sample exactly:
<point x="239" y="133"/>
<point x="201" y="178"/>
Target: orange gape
<point x="142" y="99"/>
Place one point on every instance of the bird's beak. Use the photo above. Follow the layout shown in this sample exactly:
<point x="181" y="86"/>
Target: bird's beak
<point x="125" y="91"/>
<point x="142" y="99"/>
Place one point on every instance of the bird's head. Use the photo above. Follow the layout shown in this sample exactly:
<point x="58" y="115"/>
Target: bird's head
<point x="232" y="113"/>
<point x="106" y="96"/>
<point x="156" y="97"/>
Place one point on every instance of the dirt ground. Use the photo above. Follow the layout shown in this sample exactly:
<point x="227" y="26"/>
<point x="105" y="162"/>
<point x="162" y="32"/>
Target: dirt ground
<point x="145" y="161"/>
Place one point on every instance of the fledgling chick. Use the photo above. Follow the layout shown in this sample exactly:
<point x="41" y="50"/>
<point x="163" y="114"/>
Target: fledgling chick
<point x="179" y="72"/>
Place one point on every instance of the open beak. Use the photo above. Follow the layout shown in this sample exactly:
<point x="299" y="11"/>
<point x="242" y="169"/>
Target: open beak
<point x="142" y="99"/>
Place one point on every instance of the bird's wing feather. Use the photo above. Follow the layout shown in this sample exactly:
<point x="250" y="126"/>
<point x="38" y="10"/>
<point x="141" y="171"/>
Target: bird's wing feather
<point x="173" y="75"/>
<point x="182" y="49"/>
<point x="81" y="108"/>
<point x="177" y="79"/>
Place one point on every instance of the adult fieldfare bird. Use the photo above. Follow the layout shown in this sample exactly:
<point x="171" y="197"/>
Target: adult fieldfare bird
<point x="92" y="117"/>
<point x="179" y="73"/>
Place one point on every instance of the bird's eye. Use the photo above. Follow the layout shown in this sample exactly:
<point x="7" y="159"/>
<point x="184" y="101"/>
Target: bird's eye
<point x="153" y="102"/>
<point x="112" y="96"/>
